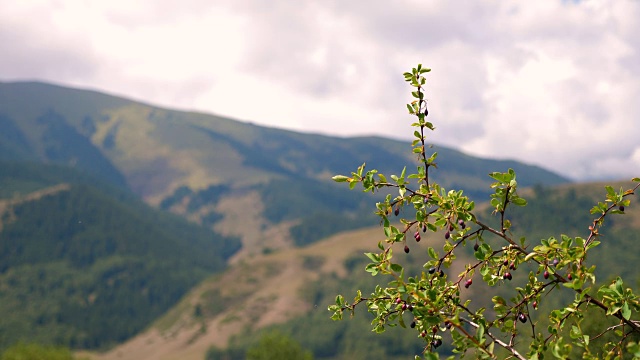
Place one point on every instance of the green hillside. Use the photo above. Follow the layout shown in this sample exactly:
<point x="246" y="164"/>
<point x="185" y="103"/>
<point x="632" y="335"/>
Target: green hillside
<point x="87" y="265"/>
<point x="192" y="163"/>
<point x="302" y="282"/>
<point x="95" y="266"/>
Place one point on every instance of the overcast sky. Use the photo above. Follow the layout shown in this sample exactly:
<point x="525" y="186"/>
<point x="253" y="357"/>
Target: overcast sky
<point x="553" y="83"/>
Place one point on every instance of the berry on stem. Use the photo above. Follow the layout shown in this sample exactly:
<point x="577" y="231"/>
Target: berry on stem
<point x="406" y="249"/>
<point x="468" y="283"/>
<point x="522" y="317"/>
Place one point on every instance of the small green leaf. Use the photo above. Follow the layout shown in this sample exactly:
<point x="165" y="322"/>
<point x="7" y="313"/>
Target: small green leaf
<point x="340" y="178"/>
<point x="396" y="267"/>
<point x="373" y="257"/>
<point x="626" y="311"/>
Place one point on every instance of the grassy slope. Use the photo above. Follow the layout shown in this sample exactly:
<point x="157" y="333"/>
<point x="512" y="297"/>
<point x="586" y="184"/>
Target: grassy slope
<point x="267" y="289"/>
<point x="262" y="291"/>
<point x="158" y="152"/>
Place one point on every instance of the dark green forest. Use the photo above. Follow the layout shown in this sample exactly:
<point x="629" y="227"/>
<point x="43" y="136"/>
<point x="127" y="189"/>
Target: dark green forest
<point x="87" y="268"/>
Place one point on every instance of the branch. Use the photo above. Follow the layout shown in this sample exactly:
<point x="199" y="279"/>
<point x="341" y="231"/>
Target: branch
<point x="506" y="346"/>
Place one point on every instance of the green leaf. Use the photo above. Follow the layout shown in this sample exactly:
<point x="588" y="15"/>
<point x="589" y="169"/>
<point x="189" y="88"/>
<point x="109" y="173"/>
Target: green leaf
<point x="480" y="332"/>
<point x="340" y="178"/>
<point x="373" y="257"/>
<point x="401" y="322"/>
<point x="626" y="311"/>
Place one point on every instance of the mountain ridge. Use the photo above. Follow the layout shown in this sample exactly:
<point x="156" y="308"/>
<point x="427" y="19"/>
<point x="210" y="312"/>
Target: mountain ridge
<point x="269" y="188"/>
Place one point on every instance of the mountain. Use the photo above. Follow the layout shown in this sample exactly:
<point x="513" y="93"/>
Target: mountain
<point x="290" y="290"/>
<point x="88" y="265"/>
<point x="217" y="171"/>
<point x="75" y="162"/>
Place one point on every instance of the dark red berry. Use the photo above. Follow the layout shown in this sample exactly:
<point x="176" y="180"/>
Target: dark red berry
<point x="535" y="304"/>
<point x="447" y="235"/>
<point x="424" y="228"/>
<point x="432" y="270"/>
<point x="434" y="329"/>
<point x="404" y="306"/>
<point x="546" y="274"/>
<point x="569" y="276"/>
<point x="450" y="227"/>
<point x="505" y="262"/>
<point x="621" y="208"/>
<point x="512" y="266"/>
<point x="555" y="262"/>
<point x="436" y="343"/>
<point x="410" y="307"/>
<point x="507" y="276"/>
<point x="441" y="273"/>
<point x="522" y="317"/>
<point x="396" y="211"/>
<point x="398" y="300"/>
<point x="462" y="224"/>
<point x="476" y="247"/>
<point x="406" y="249"/>
<point x="468" y="283"/>
<point x="413" y="324"/>
<point x="423" y="333"/>
<point x="417" y="236"/>
<point x="448" y="324"/>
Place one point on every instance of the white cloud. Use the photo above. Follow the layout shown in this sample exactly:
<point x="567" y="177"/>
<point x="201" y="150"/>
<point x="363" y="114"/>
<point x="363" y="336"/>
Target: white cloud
<point x="553" y="83"/>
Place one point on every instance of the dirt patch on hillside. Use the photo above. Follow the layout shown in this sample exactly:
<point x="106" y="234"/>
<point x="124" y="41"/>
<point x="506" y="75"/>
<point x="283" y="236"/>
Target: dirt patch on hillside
<point x="257" y="291"/>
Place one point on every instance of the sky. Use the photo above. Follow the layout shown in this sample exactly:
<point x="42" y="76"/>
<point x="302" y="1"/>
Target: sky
<point x="550" y="83"/>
